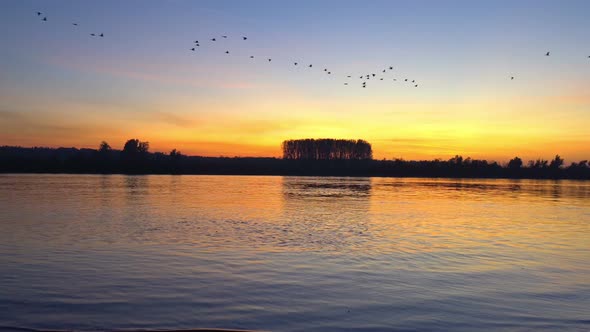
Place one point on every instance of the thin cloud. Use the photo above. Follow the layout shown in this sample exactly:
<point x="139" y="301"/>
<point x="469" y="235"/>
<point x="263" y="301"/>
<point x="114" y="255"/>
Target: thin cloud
<point x="174" y="119"/>
<point x="144" y="74"/>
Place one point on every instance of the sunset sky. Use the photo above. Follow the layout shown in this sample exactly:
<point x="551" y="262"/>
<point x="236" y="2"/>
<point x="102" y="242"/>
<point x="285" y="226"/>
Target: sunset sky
<point x="61" y="87"/>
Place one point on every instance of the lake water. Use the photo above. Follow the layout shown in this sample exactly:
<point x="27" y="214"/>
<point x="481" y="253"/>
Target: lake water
<point x="93" y="252"/>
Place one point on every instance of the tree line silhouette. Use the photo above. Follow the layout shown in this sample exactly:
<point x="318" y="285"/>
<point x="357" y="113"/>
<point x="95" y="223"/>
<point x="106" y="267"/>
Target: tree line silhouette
<point x="326" y="149"/>
<point x="323" y="157"/>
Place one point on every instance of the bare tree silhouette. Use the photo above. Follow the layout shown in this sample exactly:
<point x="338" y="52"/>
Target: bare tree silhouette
<point x="326" y="149"/>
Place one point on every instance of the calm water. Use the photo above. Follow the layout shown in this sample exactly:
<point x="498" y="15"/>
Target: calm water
<point x="293" y="253"/>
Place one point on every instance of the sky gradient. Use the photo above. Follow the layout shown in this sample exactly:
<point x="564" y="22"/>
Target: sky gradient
<point x="61" y="87"/>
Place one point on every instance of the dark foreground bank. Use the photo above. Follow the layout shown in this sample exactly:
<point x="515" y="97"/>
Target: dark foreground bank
<point x="90" y="161"/>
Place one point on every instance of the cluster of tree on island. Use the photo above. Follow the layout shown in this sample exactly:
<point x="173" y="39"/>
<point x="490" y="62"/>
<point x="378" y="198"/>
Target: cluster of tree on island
<point x="326" y="157"/>
<point x="327" y="149"/>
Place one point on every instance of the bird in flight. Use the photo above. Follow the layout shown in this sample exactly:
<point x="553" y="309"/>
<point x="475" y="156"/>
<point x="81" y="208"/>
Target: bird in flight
<point x="226" y="52"/>
<point x="511" y="77"/>
<point x="348" y="76"/>
<point x="244" y="38"/>
<point x="224" y="36"/>
<point x="196" y="41"/>
<point x="547" y="54"/>
<point x="329" y="72"/>
<point x="325" y="69"/>
<point x="212" y="39"/>
<point x="413" y="81"/>
<point x="269" y="60"/>
<point x="406" y="80"/>
<point x="193" y="49"/>
<point x="39" y="13"/>
<point x="102" y="35"/>
<point x="310" y="66"/>
<point x="383" y="70"/>
<point x="76" y="24"/>
<point x="251" y="57"/>
<point x="416" y="85"/>
<point x="295" y="63"/>
<point x="390" y="67"/>
<point x="45" y="19"/>
<point x="93" y="34"/>
<point x="381" y="79"/>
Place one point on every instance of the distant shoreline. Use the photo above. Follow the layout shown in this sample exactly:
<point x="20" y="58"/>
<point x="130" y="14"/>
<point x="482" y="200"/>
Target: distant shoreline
<point x="21" y="160"/>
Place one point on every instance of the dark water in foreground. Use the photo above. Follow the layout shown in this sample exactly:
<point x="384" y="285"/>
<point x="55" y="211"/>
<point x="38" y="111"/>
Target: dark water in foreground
<point x="293" y="253"/>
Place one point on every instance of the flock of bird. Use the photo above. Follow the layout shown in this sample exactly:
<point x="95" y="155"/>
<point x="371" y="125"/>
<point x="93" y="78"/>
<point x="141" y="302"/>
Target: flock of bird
<point x="197" y="44"/>
<point x="363" y="77"/>
<point x="44" y="19"/>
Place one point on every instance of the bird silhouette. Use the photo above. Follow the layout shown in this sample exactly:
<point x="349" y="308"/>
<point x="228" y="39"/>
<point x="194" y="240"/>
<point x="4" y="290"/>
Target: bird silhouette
<point x="329" y="72"/>
<point x="381" y="79"/>
<point x="45" y="19"/>
<point x="413" y="81"/>
<point x="390" y="68"/>
<point x="212" y="39"/>
<point x="251" y="57"/>
<point x="348" y="76"/>
<point x="373" y="75"/>
<point x="511" y="77"/>
<point x="345" y="83"/>
<point x="102" y="35"/>
<point x="196" y="41"/>
<point x="39" y="13"/>
<point x="547" y="54"/>
<point x="325" y="69"/>
<point x="416" y="85"/>
<point x="224" y="36"/>
<point x="93" y="34"/>
<point x="269" y="60"/>
<point x="226" y="52"/>
<point x="383" y="70"/>
<point x="193" y="49"/>
<point x="406" y="80"/>
<point x="76" y="24"/>
<point x="244" y="38"/>
<point x="310" y="66"/>
<point x="295" y="63"/>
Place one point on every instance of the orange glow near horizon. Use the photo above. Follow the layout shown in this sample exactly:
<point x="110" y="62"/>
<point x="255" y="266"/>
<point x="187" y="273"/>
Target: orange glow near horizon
<point x="409" y="130"/>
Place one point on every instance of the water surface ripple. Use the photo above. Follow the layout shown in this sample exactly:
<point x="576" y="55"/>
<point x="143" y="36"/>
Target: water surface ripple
<point x="94" y="252"/>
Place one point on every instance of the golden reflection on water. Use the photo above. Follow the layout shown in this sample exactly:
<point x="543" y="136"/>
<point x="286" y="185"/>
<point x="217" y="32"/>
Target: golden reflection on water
<point x="373" y="215"/>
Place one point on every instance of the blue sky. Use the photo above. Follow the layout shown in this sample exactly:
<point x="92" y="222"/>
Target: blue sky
<point x="60" y="86"/>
